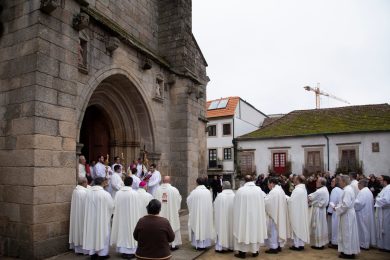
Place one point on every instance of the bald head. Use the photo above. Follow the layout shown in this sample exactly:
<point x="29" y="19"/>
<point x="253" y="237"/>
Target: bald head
<point x="226" y="185"/>
<point x="166" y="179"/>
<point x="248" y="178"/>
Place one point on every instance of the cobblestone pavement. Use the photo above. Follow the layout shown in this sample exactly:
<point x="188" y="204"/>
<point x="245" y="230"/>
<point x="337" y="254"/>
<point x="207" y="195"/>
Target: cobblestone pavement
<point x="186" y="252"/>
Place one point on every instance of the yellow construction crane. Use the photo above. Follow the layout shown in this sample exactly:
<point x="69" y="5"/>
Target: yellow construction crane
<point x="319" y="92"/>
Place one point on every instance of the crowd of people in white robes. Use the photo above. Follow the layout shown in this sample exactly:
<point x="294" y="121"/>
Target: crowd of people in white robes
<point x="348" y="218"/>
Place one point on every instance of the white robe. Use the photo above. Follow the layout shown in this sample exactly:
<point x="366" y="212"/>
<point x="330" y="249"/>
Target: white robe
<point x="116" y="183"/>
<point x="136" y="182"/>
<point x="335" y="197"/>
<point x="82" y="171"/>
<point x="170" y="199"/>
<point x="299" y="213"/>
<point x="200" y="218"/>
<point x="76" y="225"/>
<point x="355" y="186"/>
<point x="139" y="170"/>
<point x="348" y="236"/>
<point x="249" y="218"/>
<point x="223" y="219"/>
<point x="364" y="207"/>
<point x="319" y="226"/>
<point x="144" y="198"/>
<point x="99" y="170"/>
<point x="382" y="205"/>
<point x="154" y="182"/>
<point x="99" y="206"/>
<point x="276" y="209"/>
<point x="126" y="215"/>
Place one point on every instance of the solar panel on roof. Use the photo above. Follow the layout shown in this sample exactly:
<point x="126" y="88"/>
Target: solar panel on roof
<point x="214" y="105"/>
<point x="223" y="103"/>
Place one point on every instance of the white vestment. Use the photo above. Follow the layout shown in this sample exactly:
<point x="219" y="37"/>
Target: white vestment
<point x="139" y="170"/>
<point x="126" y="215"/>
<point x="335" y="197"/>
<point x="170" y="199"/>
<point x="116" y="183"/>
<point x="136" y="182"/>
<point x="299" y="214"/>
<point x="319" y="226"/>
<point x="223" y="213"/>
<point x="200" y="218"/>
<point x="276" y="209"/>
<point x="382" y="205"/>
<point x="99" y="170"/>
<point x="154" y="182"/>
<point x="249" y="218"/>
<point x="364" y="207"/>
<point x="99" y="206"/>
<point x="120" y="167"/>
<point x="348" y="236"/>
<point x="82" y="171"/>
<point x="76" y="225"/>
<point x="354" y="184"/>
<point x="144" y="198"/>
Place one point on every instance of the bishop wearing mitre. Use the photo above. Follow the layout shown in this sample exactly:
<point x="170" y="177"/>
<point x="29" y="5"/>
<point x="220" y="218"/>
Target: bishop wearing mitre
<point x="77" y="209"/>
<point x="200" y="219"/>
<point x="144" y="198"/>
<point x="249" y="219"/>
<point x="223" y="219"/>
<point x="99" y="206"/>
<point x="126" y="215"/>
<point x="170" y="199"/>
<point x="299" y="215"/>
<point x="278" y="222"/>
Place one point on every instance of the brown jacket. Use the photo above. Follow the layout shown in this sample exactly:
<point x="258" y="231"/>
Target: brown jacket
<point x="153" y="234"/>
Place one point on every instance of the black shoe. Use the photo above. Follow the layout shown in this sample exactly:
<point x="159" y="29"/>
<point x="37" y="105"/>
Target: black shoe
<point x="272" y="251"/>
<point x="240" y="255"/>
<point x="384" y="250"/>
<point x="128" y="256"/>
<point x="279" y="249"/>
<point x="302" y="248"/>
<point x="333" y="246"/>
<point x="295" y="248"/>
<point x="345" y="256"/>
<point x="318" y="247"/>
<point x="364" y="249"/>
<point x="255" y="254"/>
<point x="94" y="257"/>
<point x="220" y="251"/>
<point x="174" y="248"/>
<point x="104" y="257"/>
<point x="201" y="248"/>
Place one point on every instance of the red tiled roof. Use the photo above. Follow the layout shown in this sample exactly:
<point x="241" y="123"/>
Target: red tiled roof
<point x="223" y="112"/>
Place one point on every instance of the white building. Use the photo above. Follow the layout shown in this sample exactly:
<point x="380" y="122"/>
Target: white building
<point x="354" y="138"/>
<point x="228" y="118"/>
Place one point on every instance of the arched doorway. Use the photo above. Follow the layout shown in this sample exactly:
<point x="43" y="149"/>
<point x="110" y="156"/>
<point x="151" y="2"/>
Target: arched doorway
<point x="116" y="121"/>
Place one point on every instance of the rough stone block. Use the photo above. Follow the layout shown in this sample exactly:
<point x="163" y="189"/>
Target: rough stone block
<point x="26" y="213"/>
<point x="12" y="175"/>
<point x="66" y="100"/>
<point x="22" y="126"/>
<point x="54" y="112"/>
<point x="43" y="158"/>
<point x="44" y="194"/>
<point x="10" y="210"/>
<point x="48" y="65"/>
<point x="39" y="142"/>
<point x="54" y="176"/>
<point x="64" y="159"/>
<point x="16" y="158"/>
<point x="18" y="194"/>
<point x="50" y="247"/>
<point x="45" y="126"/>
<point x="64" y="193"/>
<point x="67" y="129"/>
<point x="51" y="212"/>
<point x="68" y="144"/>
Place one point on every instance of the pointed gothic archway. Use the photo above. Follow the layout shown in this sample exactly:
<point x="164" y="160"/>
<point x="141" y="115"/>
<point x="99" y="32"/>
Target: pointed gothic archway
<point x="116" y="120"/>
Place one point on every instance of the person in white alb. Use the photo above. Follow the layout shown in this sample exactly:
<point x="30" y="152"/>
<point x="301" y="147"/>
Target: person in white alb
<point x="200" y="217"/>
<point x="116" y="181"/>
<point x="223" y="219"/>
<point x="170" y="199"/>
<point x="126" y="215"/>
<point x="144" y="197"/>
<point x="354" y="183"/>
<point x="278" y="221"/>
<point x="319" y="225"/>
<point x="99" y="207"/>
<point x="299" y="215"/>
<point x="82" y="171"/>
<point x="335" y="196"/>
<point x="117" y="161"/>
<point x="136" y="180"/>
<point x="382" y="206"/>
<point x="249" y="222"/>
<point x="348" y="236"/>
<point x="77" y="210"/>
<point x="364" y="207"/>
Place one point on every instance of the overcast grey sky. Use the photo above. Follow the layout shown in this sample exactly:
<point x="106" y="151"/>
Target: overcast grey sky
<point x="265" y="51"/>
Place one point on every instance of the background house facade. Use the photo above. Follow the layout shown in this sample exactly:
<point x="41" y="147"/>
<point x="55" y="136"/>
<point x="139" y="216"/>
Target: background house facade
<point x="228" y="118"/>
<point x="342" y="139"/>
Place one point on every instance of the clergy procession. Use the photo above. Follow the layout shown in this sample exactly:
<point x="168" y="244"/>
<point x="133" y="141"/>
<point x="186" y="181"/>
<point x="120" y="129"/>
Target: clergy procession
<point x="137" y="212"/>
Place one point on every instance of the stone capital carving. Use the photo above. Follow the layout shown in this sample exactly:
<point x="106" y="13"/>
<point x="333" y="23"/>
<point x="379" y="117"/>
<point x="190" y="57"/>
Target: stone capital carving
<point x="80" y="21"/>
<point x="112" y="43"/>
<point x="48" y="6"/>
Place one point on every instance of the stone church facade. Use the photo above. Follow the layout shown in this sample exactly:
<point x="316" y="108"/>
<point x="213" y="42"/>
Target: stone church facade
<point x="92" y="77"/>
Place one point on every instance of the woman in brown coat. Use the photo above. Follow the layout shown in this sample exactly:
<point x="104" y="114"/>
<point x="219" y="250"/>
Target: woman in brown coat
<point x="153" y="233"/>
